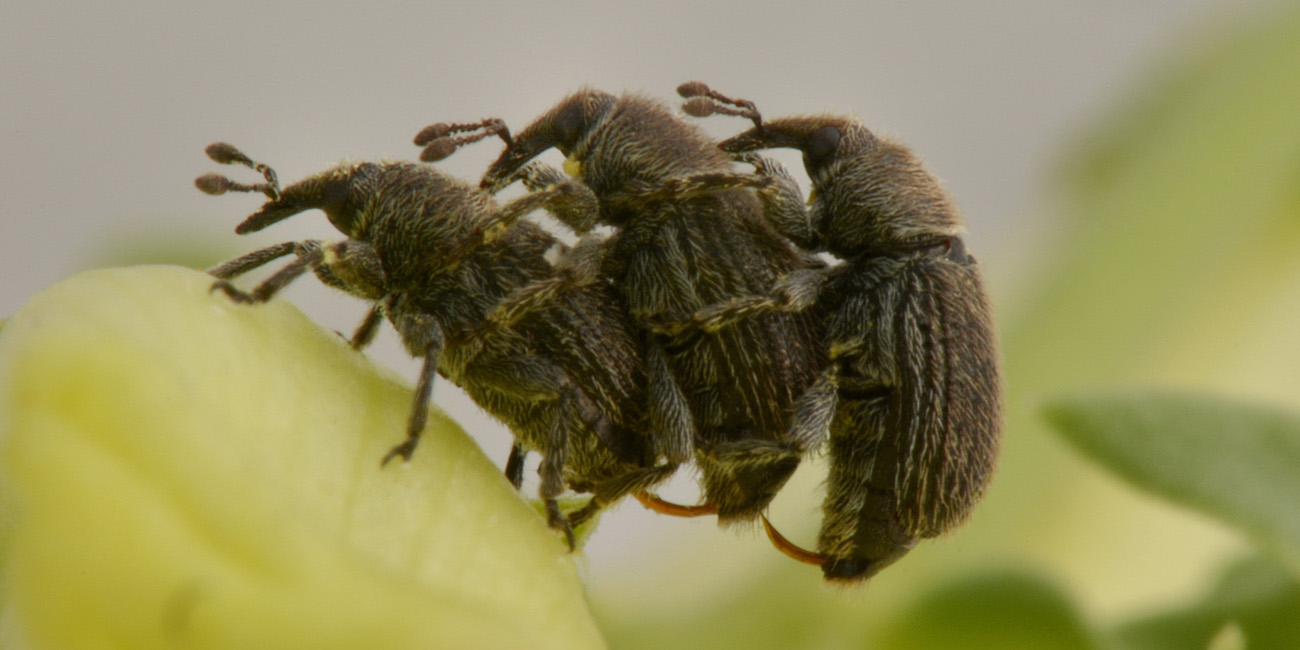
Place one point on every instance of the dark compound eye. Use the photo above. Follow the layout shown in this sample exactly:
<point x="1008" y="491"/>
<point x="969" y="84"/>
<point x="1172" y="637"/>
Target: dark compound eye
<point x="569" y="125"/>
<point x="821" y="145"/>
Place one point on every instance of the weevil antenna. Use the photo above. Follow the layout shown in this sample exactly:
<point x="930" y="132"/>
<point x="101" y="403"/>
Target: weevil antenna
<point x="702" y="101"/>
<point x="227" y="154"/>
<point x="439" y="140"/>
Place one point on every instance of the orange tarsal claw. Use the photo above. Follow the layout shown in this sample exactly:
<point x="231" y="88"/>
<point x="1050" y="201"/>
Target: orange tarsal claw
<point x="790" y="548"/>
<point x="653" y="502"/>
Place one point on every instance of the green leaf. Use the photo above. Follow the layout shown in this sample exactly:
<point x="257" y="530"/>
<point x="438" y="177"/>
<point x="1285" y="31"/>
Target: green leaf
<point x="1239" y="462"/>
<point x="1255" y="601"/>
<point x="997" y="610"/>
<point x="182" y="471"/>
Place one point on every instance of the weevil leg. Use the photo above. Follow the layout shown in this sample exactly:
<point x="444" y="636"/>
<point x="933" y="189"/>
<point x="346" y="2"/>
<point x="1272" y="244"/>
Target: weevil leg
<point x="789" y="548"/>
<point x="815" y="409"/>
<point x="683" y="187"/>
<point x="365" y="332"/>
<point x="578" y="267"/>
<point x="515" y="465"/>
<point x="272" y="285"/>
<point x="670" y="414"/>
<point x="519" y="304"/>
<point x="653" y="502"/>
<point x="241" y="265"/>
<point x="551" y="469"/>
<point x="783" y="203"/>
<point x="568" y="200"/>
<point x="611" y="490"/>
<point x="795" y="292"/>
<point x="424" y="331"/>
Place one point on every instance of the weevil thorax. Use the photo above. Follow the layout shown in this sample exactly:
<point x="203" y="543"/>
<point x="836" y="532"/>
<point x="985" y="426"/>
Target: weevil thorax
<point x="639" y="139"/>
<point x="413" y="214"/>
<point x="418" y="218"/>
<point x="871" y="195"/>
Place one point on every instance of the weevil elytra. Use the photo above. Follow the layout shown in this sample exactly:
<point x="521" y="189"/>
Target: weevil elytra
<point x="546" y="348"/>
<point x="911" y="351"/>
<point x="682" y="241"/>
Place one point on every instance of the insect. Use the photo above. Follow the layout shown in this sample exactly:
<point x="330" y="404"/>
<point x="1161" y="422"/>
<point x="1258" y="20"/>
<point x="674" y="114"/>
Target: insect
<point x="911" y="352"/>
<point x="684" y="238"/>
<point x="543" y="347"/>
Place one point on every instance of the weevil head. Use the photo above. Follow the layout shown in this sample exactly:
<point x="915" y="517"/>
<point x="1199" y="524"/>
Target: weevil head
<point x="566" y="127"/>
<point x="341" y="193"/>
<point x="869" y="194"/>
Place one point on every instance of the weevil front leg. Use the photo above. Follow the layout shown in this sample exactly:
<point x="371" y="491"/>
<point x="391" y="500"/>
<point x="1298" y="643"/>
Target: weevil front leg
<point x="783" y="204"/>
<point x="567" y="199"/>
<point x="570" y="200"/>
<point x="309" y="256"/>
<point x="241" y="265"/>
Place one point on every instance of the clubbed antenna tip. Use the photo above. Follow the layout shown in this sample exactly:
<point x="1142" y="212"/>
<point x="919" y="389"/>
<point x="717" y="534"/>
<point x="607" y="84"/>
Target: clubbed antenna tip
<point x="699" y="107"/>
<point x="213" y="184"/>
<point x="226" y="154"/>
<point x="438" y="149"/>
<point x="432" y="132"/>
<point x="693" y="89"/>
<point x="702" y="101"/>
<point x="438" y="141"/>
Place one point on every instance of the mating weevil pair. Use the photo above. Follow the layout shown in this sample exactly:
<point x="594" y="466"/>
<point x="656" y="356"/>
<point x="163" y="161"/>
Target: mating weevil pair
<point x="762" y="354"/>
<point x="446" y="266"/>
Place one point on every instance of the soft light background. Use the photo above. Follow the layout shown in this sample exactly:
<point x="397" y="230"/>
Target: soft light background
<point x="105" y="109"/>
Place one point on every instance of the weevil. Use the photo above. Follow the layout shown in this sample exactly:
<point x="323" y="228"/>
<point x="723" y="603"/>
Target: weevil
<point x="546" y="348"/>
<point x="683" y="239"/>
<point x="910" y="347"/>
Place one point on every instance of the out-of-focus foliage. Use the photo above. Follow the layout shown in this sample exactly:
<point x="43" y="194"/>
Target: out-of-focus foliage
<point x="1255" y="596"/>
<point x="182" y="471"/>
<point x="1237" y="461"/>
<point x="1005" y="610"/>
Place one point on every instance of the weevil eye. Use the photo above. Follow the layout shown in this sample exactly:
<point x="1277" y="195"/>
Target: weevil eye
<point x="821" y="145"/>
<point x="336" y="197"/>
<point x="568" y="126"/>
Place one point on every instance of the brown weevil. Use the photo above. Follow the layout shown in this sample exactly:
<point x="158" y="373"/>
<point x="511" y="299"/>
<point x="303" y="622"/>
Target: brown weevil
<point x="681" y="242"/>
<point x="909" y="339"/>
<point x="546" y="348"/>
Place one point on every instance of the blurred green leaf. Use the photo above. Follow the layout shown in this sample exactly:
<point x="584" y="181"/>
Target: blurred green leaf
<point x="1007" y="611"/>
<point x="1239" y="462"/>
<point x="1176" y="265"/>
<point x="1256" y="595"/>
<point x="183" y="471"/>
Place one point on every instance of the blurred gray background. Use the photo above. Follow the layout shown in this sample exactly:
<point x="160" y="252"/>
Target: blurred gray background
<point x="105" y="110"/>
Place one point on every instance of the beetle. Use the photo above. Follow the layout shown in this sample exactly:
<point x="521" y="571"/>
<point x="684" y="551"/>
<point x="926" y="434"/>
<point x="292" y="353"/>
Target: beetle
<point x="682" y="239"/>
<point x="911" y="350"/>
<point x="546" y="348"/>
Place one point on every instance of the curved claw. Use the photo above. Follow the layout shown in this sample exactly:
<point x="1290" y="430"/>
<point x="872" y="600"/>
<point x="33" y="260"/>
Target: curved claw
<point x="232" y="292"/>
<point x="653" y="502"/>
<point x="557" y="521"/>
<point x="790" y="549"/>
<point x="404" y="450"/>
